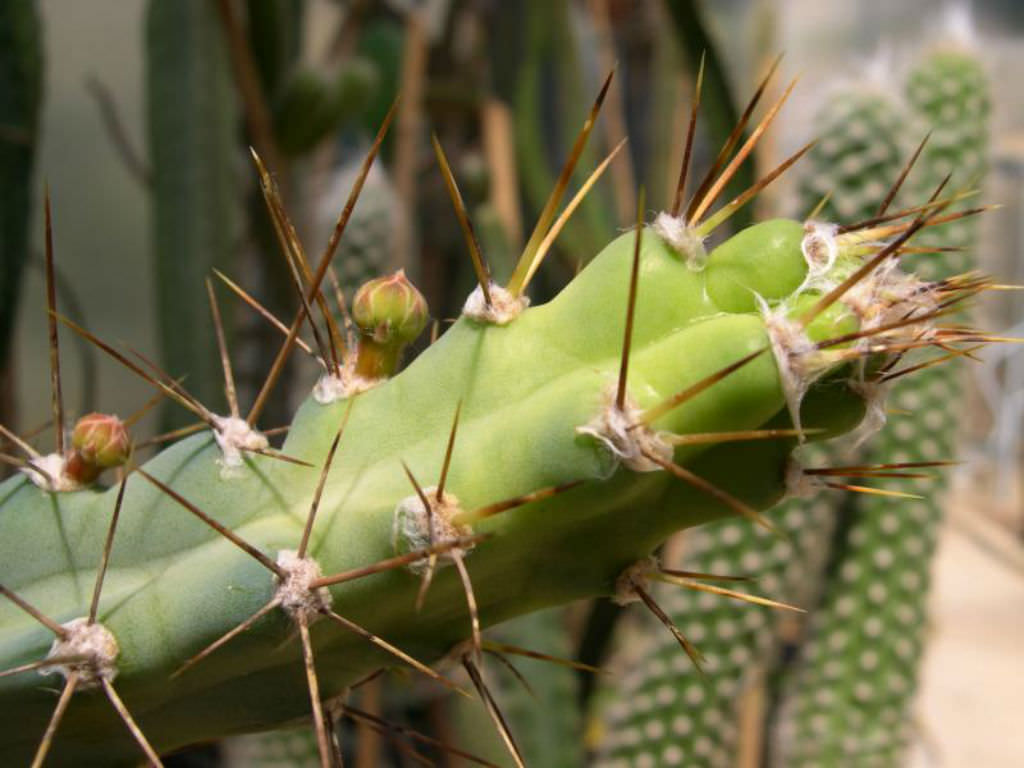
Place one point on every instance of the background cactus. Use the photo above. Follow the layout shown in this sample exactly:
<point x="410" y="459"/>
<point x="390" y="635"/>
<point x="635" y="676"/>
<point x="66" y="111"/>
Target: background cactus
<point x="848" y="700"/>
<point x="195" y="200"/>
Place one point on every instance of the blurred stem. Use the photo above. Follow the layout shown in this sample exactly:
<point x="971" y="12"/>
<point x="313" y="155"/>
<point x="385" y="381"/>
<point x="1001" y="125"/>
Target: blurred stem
<point x="21" y="79"/>
<point x="499" y="147"/>
<point x="368" y="741"/>
<point x="595" y="644"/>
<point x="413" y="77"/>
<point x="192" y="120"/>
<point x="247" y="78"/>
<point x="621" y="172"/>
<point x="131" y="158"/>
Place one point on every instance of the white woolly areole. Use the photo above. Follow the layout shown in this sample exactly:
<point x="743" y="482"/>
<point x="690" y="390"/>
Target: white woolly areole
<point x="294" y="593"/>
<point x="95" y="643"/>
<point x="799" y="361"/>
<point x="800" y="485"/>
<point x="411" y="527"/>
<point x="47" y="472"/>
<point x="887" y="295"/>
<point x="820" y="251"/>
<point x="234" y="435"/>
<point x="874" y="394"/>
<point x="676" y="232"/>
<point x="503" y="309"/>
<point x="332" y="387"/>
<point x="625" y="436"/>
<point x="636" y="575"/>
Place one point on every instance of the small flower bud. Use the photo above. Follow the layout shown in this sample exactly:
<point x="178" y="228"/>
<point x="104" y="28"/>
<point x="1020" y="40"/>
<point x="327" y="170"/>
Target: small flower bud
<point x="390" y="309"/>
<point x="101" y="439"/>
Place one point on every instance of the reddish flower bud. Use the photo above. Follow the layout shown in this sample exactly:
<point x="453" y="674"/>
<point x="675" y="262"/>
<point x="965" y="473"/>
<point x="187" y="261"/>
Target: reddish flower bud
<point x="101" y="439"/>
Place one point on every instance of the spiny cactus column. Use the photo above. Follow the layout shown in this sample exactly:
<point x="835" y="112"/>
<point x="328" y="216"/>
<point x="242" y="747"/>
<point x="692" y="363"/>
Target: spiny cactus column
<point x="848" y="701"/>
<point x="948" y="95"/>
<point x="670" y="710"/>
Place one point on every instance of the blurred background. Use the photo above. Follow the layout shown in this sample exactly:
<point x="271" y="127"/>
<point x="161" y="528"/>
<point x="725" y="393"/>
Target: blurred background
<point x="138" y="113"/>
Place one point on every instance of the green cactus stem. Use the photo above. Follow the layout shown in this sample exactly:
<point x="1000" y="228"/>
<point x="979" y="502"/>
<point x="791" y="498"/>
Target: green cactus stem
<point x="246" y="586"/>
<point x="201" y="585"/>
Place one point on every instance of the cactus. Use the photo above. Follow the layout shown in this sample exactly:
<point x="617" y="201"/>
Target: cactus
<point x="863" y="132"/>
<point x="847" y="701"/>
<point x="529" y="457"/>
<point x="692" y="713"/>
<point x="664" y="707"/>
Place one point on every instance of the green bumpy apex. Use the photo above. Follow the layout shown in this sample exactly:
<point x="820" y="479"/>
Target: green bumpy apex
<point x="537" y="404"/>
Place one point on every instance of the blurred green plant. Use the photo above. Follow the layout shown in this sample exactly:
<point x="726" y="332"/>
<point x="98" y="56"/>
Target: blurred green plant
<point x="21" y="87"/>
